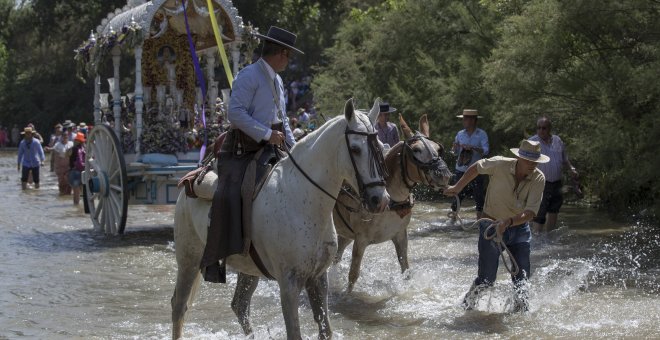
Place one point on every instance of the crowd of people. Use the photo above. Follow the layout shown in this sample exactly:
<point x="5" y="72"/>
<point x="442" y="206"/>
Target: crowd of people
<point x="66" y="146"/>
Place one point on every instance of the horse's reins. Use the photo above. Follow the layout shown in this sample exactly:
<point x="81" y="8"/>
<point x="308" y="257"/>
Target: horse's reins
<point x="434" y="164"/>
<point x="376" y="167"/>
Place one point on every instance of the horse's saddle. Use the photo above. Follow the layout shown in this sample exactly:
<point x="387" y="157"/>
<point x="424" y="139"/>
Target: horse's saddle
<point x="202" y="182"/>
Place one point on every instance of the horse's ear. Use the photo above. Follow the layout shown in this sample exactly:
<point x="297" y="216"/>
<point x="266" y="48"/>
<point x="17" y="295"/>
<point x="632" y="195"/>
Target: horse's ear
<point x="424" y="125"/>
<point x="375" y="110"/>
<point x="349" y="110"/>
<point x="407" y="132"/>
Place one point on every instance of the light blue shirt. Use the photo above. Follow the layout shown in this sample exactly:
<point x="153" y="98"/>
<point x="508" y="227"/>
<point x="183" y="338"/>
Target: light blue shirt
<point x="252" y="108"/>
<point x="478" y="139"/>
<point x="30" y="155"/>
<point x="557" y="153"/>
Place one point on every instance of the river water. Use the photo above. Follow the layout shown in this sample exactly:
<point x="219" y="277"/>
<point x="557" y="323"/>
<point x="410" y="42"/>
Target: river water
<point x="594" y="278"/>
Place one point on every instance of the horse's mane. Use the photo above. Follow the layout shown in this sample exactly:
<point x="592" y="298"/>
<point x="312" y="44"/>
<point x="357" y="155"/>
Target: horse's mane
<point x="312" y="137"/>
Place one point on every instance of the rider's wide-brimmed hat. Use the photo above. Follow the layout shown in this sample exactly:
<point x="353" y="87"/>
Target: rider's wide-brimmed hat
<point x="386" y="108"/>
<point x="531" y="151"/>
<point x="281" y="37"/>
<point x="469" y="113"/>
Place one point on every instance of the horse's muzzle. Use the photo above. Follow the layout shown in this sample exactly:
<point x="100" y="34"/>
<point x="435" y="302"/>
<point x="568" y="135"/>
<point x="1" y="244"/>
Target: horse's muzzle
<point x="376" y="199"/>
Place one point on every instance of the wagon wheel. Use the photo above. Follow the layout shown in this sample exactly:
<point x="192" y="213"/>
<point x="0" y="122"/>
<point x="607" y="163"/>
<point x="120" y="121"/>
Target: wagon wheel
<point x="105" y="181"/>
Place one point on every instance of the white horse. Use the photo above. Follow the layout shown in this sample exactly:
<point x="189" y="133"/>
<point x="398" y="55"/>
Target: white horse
<point x="292" y="229"/>
<point x="416" y="160"/>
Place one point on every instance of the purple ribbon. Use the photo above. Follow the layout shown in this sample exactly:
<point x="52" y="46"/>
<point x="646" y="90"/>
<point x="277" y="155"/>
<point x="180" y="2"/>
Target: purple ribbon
<point x="200" y="77"/>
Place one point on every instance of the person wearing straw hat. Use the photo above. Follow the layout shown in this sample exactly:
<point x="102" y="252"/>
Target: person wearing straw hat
<point x="514" y="195"/>
<point x="387" y="131"/>
<point x="30" y="156"/>
<point x="470" y="145"/>
<point x="257" y="114"/>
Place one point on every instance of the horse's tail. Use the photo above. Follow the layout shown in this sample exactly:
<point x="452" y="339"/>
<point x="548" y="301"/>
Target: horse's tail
<point x="189" y="250"/>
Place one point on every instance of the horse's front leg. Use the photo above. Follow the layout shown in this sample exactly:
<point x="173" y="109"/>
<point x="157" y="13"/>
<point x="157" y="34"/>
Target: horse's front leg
<point x="356" y="260"/>
<point x="240" y="304"/>
<point x="400" y="241"/>
<point x="343" y="242"/>
<point x="290" y="287"/>
<point x="317" y="290"/>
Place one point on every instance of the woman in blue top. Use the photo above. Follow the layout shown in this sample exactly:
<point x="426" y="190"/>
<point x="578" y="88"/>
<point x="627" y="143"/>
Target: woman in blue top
<point x="31" y="157"/>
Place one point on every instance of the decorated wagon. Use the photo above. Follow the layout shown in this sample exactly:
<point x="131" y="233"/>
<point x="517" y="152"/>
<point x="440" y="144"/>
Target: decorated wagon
<point x="154" y="127"/>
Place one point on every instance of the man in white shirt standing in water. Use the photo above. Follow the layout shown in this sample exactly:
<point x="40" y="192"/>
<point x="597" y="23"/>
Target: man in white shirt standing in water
<point x="553" y="147"/>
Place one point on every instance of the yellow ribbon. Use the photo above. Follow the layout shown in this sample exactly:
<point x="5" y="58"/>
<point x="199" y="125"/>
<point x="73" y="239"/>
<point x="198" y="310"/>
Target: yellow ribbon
<point x="221" y="46"/>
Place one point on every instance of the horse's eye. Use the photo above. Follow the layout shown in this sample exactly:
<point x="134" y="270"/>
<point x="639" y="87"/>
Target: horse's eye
<point x="417" y="150"/>
<point x="356" y="150"/>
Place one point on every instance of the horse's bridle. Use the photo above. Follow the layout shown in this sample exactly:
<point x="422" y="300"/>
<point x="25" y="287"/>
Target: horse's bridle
<point x="376" y="161"/>
<point x="376" y="164"/>
<point x="435" y="164"/>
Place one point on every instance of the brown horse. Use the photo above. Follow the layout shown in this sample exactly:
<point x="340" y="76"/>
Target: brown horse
<point x="416" y="160"/>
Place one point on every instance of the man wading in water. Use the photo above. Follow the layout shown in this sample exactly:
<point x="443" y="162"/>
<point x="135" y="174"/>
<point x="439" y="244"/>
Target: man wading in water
<point x="256" y="112"/>
<point x="513" y="199"/>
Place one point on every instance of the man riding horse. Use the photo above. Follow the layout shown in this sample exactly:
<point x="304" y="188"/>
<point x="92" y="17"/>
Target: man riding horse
<point x="258" y="121"/>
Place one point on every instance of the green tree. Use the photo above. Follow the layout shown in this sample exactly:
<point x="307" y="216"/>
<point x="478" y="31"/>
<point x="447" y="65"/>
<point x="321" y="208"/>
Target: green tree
<point x="591" y="66"/>
<point x="431" y="64"/>
<point x="40" y="37"/>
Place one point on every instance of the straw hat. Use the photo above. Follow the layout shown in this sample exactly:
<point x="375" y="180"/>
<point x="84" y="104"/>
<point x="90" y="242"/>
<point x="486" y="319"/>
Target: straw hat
<point x="531" y="151"/>
<point x="80" y="137"/>
<point x="469" y="113"/>
<point x="82" y="125"/>
<point x="27" y="130"/>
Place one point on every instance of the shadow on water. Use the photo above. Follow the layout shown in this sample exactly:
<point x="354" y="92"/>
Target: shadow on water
<point x="478" y="322"/>
<point x="88" y="240"/>
<point x="357" y="306"/>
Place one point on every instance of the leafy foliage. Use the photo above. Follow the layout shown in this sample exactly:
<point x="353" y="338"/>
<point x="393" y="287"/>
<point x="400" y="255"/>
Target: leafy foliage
<point x="589" y="65"/>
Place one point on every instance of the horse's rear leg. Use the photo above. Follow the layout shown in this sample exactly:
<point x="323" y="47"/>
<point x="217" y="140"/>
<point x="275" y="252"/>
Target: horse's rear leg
<point x="400" y="241"/>
<point x="317" y="290"/>
<point x="342" y="244"/>
<point x="356" y="261"/>
<point x="290" y="287"/>
<point x="187" y="281"/>
<point x="240" y="304"/>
